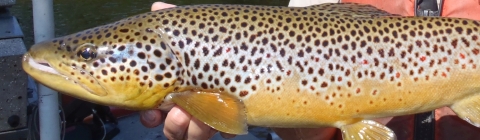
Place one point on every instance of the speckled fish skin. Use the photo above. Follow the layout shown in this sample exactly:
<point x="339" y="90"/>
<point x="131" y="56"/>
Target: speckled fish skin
<point x="323" y="65"/>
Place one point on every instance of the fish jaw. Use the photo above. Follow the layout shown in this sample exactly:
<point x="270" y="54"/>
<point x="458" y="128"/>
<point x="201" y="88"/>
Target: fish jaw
<point x="45" y="70"/>
<point x="48" y="76"/>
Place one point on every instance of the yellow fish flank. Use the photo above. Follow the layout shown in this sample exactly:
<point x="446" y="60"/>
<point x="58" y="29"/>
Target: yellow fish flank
<point x="330" y="65"/>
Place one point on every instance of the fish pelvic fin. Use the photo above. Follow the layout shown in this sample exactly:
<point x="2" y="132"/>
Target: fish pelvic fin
<point x="468" y="109"/>
<point x="220" y="111"/>
<point x="367" y="130"/>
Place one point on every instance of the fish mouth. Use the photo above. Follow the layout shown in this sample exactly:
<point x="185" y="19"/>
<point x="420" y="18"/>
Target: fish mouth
<point x="44" y="72"/>
<point x="41" y="65"/>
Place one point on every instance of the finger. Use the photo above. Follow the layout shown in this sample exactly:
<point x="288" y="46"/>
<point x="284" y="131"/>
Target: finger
<point x="227" y="136"/>
<point x="151" y="118"/>
<point x="161" y="5"/>
<point x="384" y="121"/>
<point x="199" y="130"/>
<point x="176" y="123"/>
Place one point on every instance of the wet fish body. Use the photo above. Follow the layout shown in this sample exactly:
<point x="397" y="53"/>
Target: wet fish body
<point x="337" y="65"/>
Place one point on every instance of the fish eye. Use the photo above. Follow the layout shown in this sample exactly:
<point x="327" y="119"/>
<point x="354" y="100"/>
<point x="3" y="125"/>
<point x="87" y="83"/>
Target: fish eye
<point x="87" y="53"/>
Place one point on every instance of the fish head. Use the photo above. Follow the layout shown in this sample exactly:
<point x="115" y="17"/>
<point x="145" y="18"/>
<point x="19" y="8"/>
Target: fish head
<point x="113" y="65"/>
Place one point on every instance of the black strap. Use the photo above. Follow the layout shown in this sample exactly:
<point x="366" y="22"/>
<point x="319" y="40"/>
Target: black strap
<point x="424" y="127"/>
<point x="428" y="8"/>
<point x="428" y="4"/>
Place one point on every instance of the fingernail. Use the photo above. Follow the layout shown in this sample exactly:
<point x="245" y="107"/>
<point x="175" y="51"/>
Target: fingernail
<point x="149" y="116"/>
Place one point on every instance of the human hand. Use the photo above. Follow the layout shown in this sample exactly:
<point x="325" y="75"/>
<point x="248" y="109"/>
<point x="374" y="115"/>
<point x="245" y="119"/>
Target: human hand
<point x="160" y="5"/>
<point x="179" y="124"/>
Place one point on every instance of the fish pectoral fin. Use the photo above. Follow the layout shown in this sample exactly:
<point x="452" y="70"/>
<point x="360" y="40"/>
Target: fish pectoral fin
<point x="367" y="130"/>
<point x="468" y="109"/>
<point x="222" y="112"/>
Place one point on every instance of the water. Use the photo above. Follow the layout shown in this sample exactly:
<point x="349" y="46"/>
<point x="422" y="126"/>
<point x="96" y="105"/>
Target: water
<point x="76" y="15"/>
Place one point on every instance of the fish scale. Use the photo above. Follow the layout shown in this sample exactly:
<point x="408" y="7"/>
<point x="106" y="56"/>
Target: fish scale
<point x="337" y="65"/>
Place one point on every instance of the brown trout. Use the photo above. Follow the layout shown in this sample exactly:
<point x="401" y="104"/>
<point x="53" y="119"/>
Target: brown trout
<point x="329" y="65"/>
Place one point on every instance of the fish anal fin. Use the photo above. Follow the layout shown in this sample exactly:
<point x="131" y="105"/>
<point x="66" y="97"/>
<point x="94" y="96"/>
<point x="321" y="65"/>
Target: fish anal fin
<point x="367" y="130"/>
<point x="220" y="111"/>
<point x="468" y="109"/>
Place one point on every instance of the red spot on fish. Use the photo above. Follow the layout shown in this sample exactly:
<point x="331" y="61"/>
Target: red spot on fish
<point x="397" y="75"/>
<point x="423" y="58"/>
<point x="268" y="55"/>
<point x="317" y="59"/>
<point x="365" y="62"/>
<point x="228" y="50"/>
<point x="444" y="74"/>
<point x="462" y="56"/>
<point x="358" y="90"/>
<point x="289" y="72"/>
<point x="476" y="51"/>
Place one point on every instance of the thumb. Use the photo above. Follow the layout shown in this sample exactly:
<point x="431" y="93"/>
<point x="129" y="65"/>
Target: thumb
<point x="161" y="5"/>
<point x="151" y="118"/>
